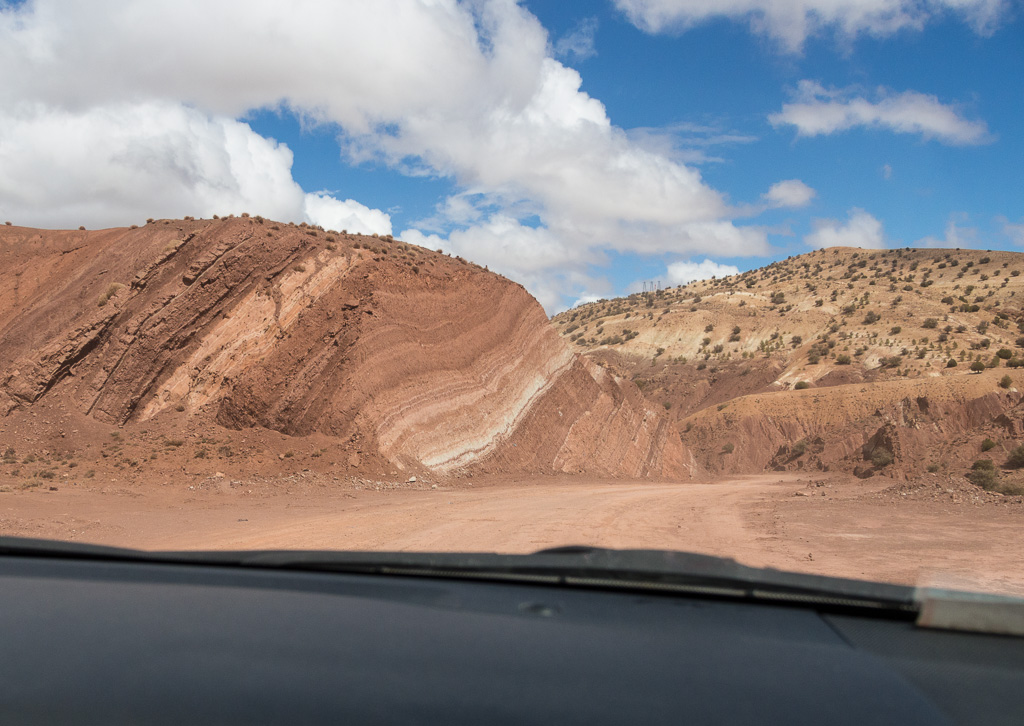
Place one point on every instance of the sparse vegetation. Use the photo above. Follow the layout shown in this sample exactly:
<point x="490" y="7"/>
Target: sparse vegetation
<point x="1016" y="458"/>
<point x="983" y="474"/>
<point x="881" y="457"/>
<point x="111" y="290"/>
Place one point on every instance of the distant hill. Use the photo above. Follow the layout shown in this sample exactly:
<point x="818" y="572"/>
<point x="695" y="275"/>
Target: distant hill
<point x="885" y="321"/>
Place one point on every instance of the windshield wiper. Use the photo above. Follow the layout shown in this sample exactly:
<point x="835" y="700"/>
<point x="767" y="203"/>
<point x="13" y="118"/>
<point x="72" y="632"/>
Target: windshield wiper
<point x="650" y="571"/>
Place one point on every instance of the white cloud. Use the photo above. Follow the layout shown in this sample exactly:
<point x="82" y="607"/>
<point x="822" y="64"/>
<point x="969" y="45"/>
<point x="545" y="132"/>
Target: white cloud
<point x="791" y="22"/>
<point x="534" y="256"/>
<point x="122" y="163"/>
<point x="323" y="209"/>
<point x="790" y="193"/>
<point x="818" y="111"/>
<point x="579" y="42"/>
<point x="860" y="230"/>
<point x="685" y="272"/>
<point x="956" y="236"/>
<point x="463" y="90"/>
<point x="886" y="171"/>
<point x="1014" y="231"/>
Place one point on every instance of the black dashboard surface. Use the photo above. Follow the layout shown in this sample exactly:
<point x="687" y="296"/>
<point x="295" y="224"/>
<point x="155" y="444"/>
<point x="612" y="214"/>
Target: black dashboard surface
<point x="110" y="642"/>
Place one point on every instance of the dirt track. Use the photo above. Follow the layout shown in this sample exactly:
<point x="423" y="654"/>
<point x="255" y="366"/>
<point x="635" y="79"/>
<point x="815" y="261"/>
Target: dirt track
<point x="839" y="528"/>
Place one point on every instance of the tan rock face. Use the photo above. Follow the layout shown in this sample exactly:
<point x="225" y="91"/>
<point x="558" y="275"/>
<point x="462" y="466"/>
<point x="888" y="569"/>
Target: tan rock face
<point x="393" y="351"/>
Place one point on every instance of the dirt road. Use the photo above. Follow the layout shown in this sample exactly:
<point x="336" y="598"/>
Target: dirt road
<point x="759" y="520"/>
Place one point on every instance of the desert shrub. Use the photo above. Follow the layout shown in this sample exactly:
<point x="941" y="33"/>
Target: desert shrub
<point x="1005" y="382"/>
<point x="893" y="361"/>
<point x="801" y="385"/>
<point x="813" y="359"/>
<point x="843" y="360"/>
<point x="983" y="474"/>
<point x="111" y="290"/>
<point x="988" y="444"/>
<point x="895" y="330"/>
<point x="728" y="448"/>
<point x="1016" y="458"/>
<point x="950" y="363"/>
<point x="933" y="467"/>
<point x="881" y="456"/>
<point x="977" y="366"/>
<point x="1004" y="353"/>
<point x="1015" y="363"/>
<point x="930" y="323"/>
<point x="871" y="317"/>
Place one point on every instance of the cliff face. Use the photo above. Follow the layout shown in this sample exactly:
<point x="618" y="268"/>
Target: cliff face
<point x="395" y="351"/>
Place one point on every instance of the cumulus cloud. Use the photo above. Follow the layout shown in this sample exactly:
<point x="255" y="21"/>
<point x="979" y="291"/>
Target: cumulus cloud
<point x="685" y="272"/>
<point x="790" y="193"/>
<point x="119" y="163"/>
<point x="791" y="22"/>
<point x="323" y="209"/>
<point x="861" y="230"/>
<point x="956" y="236"/>
<point x="124" y="162"/>
<point x="817" y="111"/>
<point x="468" y="91"/>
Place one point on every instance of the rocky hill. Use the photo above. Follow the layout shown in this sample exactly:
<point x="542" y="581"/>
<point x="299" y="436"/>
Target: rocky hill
<point x="818" y="360"/>
<point x="244" y="344"/>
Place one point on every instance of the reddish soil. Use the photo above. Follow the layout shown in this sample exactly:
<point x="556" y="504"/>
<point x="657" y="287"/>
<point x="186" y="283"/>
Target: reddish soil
<point x="931" y="533"/>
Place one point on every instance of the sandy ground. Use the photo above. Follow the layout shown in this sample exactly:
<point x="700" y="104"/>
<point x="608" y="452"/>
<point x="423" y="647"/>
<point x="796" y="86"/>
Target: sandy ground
<point x="840" y="527"/>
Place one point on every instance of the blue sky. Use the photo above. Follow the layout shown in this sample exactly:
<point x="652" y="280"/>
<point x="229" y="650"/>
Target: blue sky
<point x="577" y="147"/>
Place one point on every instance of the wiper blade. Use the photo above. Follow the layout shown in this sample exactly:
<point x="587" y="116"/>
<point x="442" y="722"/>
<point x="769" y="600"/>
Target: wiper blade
<point x="579" y="566"/>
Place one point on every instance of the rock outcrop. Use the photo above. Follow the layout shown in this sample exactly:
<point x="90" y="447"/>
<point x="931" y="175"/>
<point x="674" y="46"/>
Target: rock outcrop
<point x="419" y="359"/>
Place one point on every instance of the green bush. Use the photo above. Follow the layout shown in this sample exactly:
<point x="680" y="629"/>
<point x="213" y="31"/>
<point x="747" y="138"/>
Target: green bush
<point x="977" y="366"/>
<point x="728" y="449"/>
<point x="950" y="363"/>
<point x="844" y="360"/>
<point x="1016" y="458"/>
<point x="881" y="456"/>
<point x="983" y="474"/>
<point x="1004" y="353"/>
<point x="930" y="323"/>
<point x="988" y="444"/>
<point x="801" y="385"/>
<point x="1005" y="382"/>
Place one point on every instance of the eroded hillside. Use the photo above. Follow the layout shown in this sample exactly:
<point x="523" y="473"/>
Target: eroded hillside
<point x="391" y="355"/>
<point x="812" y="361"/>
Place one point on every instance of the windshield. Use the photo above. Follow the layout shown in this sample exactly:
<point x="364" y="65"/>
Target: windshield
<point x="501" y="277"/>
